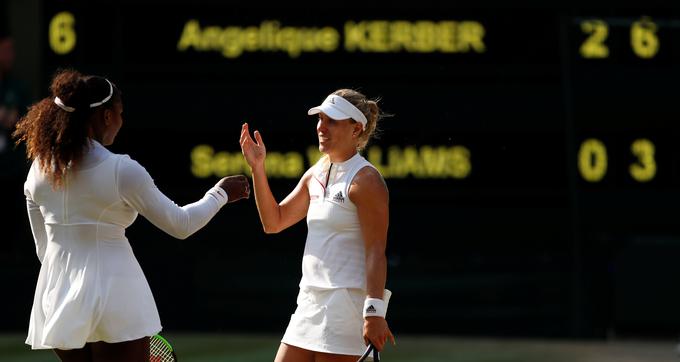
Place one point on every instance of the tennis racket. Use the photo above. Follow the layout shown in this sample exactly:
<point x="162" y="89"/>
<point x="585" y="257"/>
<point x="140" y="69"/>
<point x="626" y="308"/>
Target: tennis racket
<point x="370" y="350"/>
<point x="161" y="350"/>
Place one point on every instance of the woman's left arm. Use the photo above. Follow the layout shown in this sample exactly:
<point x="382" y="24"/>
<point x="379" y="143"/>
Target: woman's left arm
<point x="369" y="193"/>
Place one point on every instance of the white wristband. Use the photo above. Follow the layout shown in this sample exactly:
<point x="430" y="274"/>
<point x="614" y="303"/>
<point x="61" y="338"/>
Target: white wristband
<point x="219" y="194"/>
<point x="374" y="307"/>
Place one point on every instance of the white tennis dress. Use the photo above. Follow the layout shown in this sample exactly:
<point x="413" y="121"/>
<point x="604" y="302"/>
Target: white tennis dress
<point x="328" y="317"/>
<point x="91" y="287"/>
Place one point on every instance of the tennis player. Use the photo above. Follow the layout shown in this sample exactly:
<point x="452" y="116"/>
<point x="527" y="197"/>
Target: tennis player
<point x="342" y="302"/>
<point x="92" y="301"/>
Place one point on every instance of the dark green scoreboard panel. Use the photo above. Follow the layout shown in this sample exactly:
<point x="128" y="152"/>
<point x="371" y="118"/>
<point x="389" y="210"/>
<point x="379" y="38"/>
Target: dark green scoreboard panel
<point x="532" y="155"/>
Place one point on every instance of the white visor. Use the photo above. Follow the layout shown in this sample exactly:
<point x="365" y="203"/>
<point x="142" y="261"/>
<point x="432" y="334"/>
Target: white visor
<point x="338" y="108"/>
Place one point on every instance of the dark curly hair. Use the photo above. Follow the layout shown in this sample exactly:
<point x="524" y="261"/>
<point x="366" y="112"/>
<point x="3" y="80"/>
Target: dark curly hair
<point x="58" y="138"/>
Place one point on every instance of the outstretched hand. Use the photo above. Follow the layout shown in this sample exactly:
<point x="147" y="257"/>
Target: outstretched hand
<point x="253" y="151"/>
<point x="236" y="187"/>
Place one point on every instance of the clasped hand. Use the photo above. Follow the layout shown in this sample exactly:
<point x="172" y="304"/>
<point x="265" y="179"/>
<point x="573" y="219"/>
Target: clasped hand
<point x="236" y="187"/>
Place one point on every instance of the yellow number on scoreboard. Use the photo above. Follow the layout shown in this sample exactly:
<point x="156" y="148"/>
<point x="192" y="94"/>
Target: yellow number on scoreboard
<point x="594" y="46"/>
<point x="645" y="169"/>
<point x="62" y="33"/>
<point x="592" y="160"/>
<point x="643" y="38"/>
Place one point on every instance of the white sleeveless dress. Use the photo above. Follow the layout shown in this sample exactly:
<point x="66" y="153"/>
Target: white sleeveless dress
<point x="328" y="317"/>
<point x="91" y="287"/>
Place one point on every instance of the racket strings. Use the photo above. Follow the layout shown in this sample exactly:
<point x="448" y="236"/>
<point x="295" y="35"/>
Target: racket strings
<point x="160" y="351"/>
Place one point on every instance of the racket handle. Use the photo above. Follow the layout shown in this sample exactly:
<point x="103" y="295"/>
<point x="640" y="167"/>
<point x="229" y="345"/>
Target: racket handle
<point x="370" y="349"/>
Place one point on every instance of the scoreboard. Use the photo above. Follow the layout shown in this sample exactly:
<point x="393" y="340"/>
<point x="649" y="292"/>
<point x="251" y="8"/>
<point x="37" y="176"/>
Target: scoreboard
<point x="531" y="154"/>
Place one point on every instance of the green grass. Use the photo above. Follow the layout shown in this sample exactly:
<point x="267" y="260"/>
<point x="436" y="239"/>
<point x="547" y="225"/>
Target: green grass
<point x="196" y="347"/>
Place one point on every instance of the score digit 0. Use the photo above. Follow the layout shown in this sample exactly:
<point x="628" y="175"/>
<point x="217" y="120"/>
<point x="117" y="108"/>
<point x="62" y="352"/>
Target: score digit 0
<point x="62" y="33"/>
<point x="592" y="160"/>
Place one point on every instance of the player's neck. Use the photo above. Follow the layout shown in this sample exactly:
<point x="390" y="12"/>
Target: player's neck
<point x="338" y="157"/>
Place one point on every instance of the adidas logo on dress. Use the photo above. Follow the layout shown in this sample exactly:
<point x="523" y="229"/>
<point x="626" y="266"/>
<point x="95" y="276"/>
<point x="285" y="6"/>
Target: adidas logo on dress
<point x="338" y="197"/>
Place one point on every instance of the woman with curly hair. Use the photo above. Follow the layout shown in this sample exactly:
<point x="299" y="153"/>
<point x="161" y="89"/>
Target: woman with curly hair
<point x="92" y="301"/>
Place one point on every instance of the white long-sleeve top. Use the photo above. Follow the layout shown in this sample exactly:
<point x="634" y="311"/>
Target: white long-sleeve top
<point x="91" y="287"/>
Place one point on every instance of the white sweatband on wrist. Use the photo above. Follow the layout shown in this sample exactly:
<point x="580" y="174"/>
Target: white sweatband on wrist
<point x="374" y="307"/>
<point x="219" y="194"/>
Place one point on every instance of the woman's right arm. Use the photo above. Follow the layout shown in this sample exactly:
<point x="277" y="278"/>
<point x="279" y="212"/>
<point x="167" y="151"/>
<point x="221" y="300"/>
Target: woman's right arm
<point x="37" y="227"/>
<point x="35" y="216"/>
<point x="274" y="216"/>
<point x="138" y="190"/>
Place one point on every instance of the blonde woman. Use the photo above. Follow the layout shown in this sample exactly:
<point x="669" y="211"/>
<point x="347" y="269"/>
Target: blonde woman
<point x="342" y="301"/>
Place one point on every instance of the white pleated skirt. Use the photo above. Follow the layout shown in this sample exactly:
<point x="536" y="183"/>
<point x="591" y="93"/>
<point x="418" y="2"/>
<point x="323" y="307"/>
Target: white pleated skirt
<point x="329" y="321"/>
<point x="90" y="292"/>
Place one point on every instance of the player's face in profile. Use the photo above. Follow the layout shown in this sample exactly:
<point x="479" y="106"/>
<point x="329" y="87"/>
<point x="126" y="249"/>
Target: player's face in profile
<point x="114" y="122"/>
<point x="333" y="134"/>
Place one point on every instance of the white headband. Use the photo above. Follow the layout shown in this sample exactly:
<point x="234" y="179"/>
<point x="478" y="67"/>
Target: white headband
<point x="336" y="107"/>
<point x="63" y="106"/>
